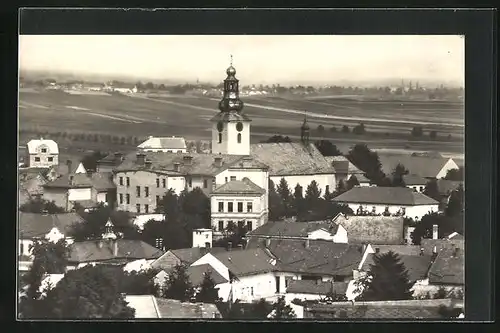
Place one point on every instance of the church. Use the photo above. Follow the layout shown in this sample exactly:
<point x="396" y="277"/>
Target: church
<point x="235" y="175"/>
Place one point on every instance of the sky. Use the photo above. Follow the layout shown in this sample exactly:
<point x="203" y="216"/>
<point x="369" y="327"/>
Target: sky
<point x="263" y="59"/>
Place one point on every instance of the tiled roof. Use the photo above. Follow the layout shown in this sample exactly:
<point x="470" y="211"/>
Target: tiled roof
<point x="230" y="116"/>
<point x="145" y="306"/>
<point x="170" y="308"/>
<point x="33" y="184"/>
<point x="445" y="186"/>
<point x="372" y="229"/>
<point x="290" y="229"/>
<point x="99" y="181"/>
<point x="448" y="268"/>
<point x="385" y="196"/>
<point x="315" y="288"/>
<point x="291" y="158"/>
<point x="35" y="225"/>
<point x="128" y="249"/>
<point x="189" y="256"/>
<point x="321" y="257"/>
<point x="408" y="250"/>
<point x="427" y="167"/>
<point x="416" y="265"/>
<point x="51" y="145"/>
<point x="411" y="179"/>
<point x="440" y="244"/>
<point x="163" y="143"/>
<point x="244" y="186"/>
<point x="246" y="262"/>
<point x="200" y="164"/>
<point x="197" y="274"/>
<point x="414" y="309"/>
<point x="62" y="167"/>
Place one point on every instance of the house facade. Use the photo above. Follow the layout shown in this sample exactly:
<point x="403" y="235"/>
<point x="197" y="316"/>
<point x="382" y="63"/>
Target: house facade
<point x="43" y="153"/>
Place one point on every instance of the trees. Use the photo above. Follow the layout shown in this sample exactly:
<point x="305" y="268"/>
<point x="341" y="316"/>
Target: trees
<point x="456" y="202"/>
<point x="277" y="139"/>
<point x="90" y="161"/>
<point x="327" y="148"/>
<point x="341" y="187"/>
<point x="345" y="129"/>
<point x="359" y="129"/>
<point x="208" y="293"/>
<point x="366" y="160"/>
<point x="397" y="175"/>
<point x="38" y="205"/>
<point x="137" y="283"/>
<point x="455" y="174"/>
<point x="276" y="206"/>
<point x="432" y="190"/>
<point x="321" y="129"/>
<point x="328" y="195"/>
<point x="284" y="192"/>
<point x="387" y="280"/>
<point x="432" y="134"/>
<point x="351" y="182"/>
<point x="281" y="310"/>
<point x="446" y="225"/>
<point x="177" y="284"/>
<point x="89" y="292"/>
<point x="417" y="131"/>
<point x="298" y="199"/>
<point x="313" y="196"/>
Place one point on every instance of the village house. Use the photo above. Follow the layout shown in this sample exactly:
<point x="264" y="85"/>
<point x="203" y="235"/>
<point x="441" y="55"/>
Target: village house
<point x="388" y="200"/>
<point x="165" y="144"/>
<point x="429" y="167"/>
<point x="43" y="153"/>
<point x="52" y="227"/>
<point x="149" y="306"/>
<point x="85" y="189"/>
<point x="344" y="170"/>
<point x="415" y="182"/>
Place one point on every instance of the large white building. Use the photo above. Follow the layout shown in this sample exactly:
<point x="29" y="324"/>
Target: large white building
<point x="43" y="153"/>
<point x="166" y="144"/>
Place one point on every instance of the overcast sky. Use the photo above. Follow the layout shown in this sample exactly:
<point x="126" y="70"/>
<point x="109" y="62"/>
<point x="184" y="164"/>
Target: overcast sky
<point x="258" y="59"/>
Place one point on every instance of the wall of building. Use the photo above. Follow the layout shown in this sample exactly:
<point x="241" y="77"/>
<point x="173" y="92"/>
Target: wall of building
<point x="201" y="237"/>
<point x="193" y="182"/>
<point x="166" y="261"/>
<point x="254" y="287"/>
<point x="415" y="212"/>
<point x="230" y="143"/>
<point x="43" y="160"/>
<point x="79" y="194"/>
<point x="165" y="150"/>
<point x="101" y="197"/>
<point x="257" y="216"/>
<point x="323" y="181"/>
<point x="58" y="195"/>
<point x="448" y="166"/>
<point x="289" y="297"/>
<point x="422" y="288"/>
<point x="341" y="236"/>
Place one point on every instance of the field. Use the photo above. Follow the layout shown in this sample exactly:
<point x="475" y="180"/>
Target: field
<point x="388" y="123"/>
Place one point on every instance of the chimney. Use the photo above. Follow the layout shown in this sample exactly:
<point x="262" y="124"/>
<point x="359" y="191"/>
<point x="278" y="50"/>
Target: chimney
<point x="187" y="160"/>
<point x="218" y="161"/>
<point x="68" y="164"/>
<point x="118" y="157"/>
<point x="177" y="167"/>
<point x="268" y="242"/>
<point x="71" y="183"/>
<point x="240" y="246"/>
<point x="141" y="158"/>
<point x="306" y="245"/>
<point x="377" y="250"/>
<point x="229" y="245"/>
<point x="435" y="231"/>
<point x="115" y="247"/>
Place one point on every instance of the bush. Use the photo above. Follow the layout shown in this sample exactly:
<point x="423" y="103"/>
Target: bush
<point x="417" y="131"/>
<point x="433" y="134"/>
<point x="321" y="128"/>
<point x="333" y="129"/>
<point x="345" y="129"/>
<point x="359" y="129"/>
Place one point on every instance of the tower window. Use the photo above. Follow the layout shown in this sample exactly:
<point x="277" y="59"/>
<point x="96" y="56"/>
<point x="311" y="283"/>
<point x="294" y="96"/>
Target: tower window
<point x="220" y="137"/>
<point x="239" y="137"/>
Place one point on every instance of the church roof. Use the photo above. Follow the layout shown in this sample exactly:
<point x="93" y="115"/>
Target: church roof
<point x="290" y="158"/>
<point x="230" y="116"/>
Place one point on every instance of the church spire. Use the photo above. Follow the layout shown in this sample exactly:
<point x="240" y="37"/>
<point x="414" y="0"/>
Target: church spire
<point x="231" y="96"/>
<point x="304" y="131"/>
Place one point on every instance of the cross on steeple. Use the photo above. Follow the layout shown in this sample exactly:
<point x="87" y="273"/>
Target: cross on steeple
<point x="231" y="61"/>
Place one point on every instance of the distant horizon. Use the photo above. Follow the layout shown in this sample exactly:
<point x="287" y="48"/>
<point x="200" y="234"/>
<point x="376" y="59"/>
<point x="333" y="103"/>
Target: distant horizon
<point x="287" y="60"/>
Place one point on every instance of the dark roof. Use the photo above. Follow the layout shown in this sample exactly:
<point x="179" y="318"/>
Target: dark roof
<point x="62" y="167"/>
<point x="291" y="229"/>
<point x="315" y="288"/>
<point x="445" y="187"/>
<point x="342" y="165"/>
<point x="441" y="244"/>
<point x="33" y="225"/>
<point x="98" y="180"/>
<point x="246" y="262"/>
<point x="385" y="196"/>
<point x="321" y="257"/>
<point x="291" y="158"/>
<point x="412" y="179"/>
<point x="417" y="266"/>
<point x="169" y="308"/>
<point x="408" y="250"/>
<point x="128" y="249"/>
<point x="381" y="309"/>
<point x="200" y="164"/>
<point x="244" y="186"/>
<point x="230" y="116"/>
<point x="197" y="273"/>
<point x="190" y="255"/>
<point x="424" y="166"/>
<point x="448" y="268"/>
<point x="33" y="184"/>
<point x="373" y="229"/>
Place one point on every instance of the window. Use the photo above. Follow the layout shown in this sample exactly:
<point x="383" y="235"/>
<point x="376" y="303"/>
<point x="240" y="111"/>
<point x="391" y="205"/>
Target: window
<point x="240" y="224"/>
<point x="249" y="207"/>
<point x="240" y="207"/>
<point x="221" y="225"/>
<point x="164" y="182"/>
<point x="277" y="284"/>
<point x="146" y="191"/>
<point x="249" y="225"/>
<point x="157" y="182"/>
<point x="127" y="196"/>
<point x="233" y="178"/>
<point x="157" y="200"/>
<point x="190" y="182"/>
<point x="221" y="206"/>
<point x="37" y="159"/>
<point x="220" y="137"/>
<point x="138" y="191"/>
<point x="239" y="137"/>
<point x="146" y="208"/>
<point x="50" y="159"/>
<point x="121" y="181"/>
<point x="22" y="249"/>
<point x="169" y="151"/>
<point x="44" y="150"/>
<point x="230" y="207"/>
<point x="205" y="183"/>
<point x="327" y="188"/>
<point x="421" y="188"/>
<point x="226" y="179"/>
<point x="121" y="198"/>
<point x="251" y="291"/>
<point x="128" y="181"/>
<point x="138" y="208"/>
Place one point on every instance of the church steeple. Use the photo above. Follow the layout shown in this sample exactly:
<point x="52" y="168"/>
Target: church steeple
<point x="231" y="129"/>
<point x="304" y="131"/>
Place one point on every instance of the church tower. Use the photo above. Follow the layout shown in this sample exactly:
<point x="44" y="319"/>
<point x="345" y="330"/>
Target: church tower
<point x="231" y="128"/>
<point x="304" y="132"/>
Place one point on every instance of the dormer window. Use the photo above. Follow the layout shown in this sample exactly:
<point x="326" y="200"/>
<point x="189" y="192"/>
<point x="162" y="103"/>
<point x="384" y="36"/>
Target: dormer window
<point x="44" y="150"/>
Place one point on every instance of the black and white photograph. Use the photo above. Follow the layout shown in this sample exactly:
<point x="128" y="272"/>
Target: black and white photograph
<point x="241" y="177"/>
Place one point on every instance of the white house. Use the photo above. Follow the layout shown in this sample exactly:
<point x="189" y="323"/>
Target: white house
<point x="421" y="165"/>
<point x="415" y="182"/>
<point x="388" y="200"/>
<point x="249" y="273"/>
<point x="43" y="153"/>
<point x="166" y="144"/>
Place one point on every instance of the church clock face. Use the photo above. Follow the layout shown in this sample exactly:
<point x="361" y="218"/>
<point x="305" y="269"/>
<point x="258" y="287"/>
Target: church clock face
<point x="239" y="127"/>
<point x="220" y="126"/>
